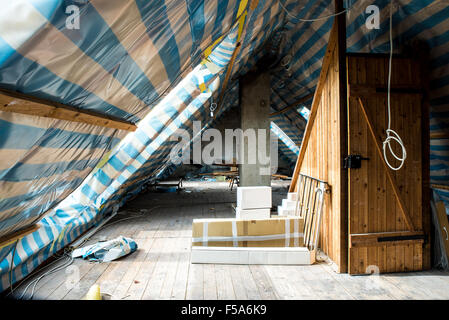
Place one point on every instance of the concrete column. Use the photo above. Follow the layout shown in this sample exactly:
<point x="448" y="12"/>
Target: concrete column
<point x="255" y="110"/>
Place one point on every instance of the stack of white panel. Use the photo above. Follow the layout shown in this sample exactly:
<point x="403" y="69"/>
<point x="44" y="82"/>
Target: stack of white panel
<point x="292" y="196"/>
<point x="253" y="255"/>
<point x="288" y="206"/>
<point x="253" y="203"/>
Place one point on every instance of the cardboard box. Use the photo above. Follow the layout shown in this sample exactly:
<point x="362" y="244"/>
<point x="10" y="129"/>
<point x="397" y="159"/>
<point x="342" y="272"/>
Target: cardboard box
<point x="273" y="232"/>
<point x="246" y="214"/>
<point x="253" y="197"/>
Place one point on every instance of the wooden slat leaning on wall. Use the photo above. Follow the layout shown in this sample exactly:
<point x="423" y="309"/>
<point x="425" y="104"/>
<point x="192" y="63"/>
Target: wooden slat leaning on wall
<point x="24" y="104"/>
<point x="443" y="223"/>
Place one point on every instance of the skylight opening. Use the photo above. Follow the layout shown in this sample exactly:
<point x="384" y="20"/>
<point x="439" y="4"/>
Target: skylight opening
<point x="304" y="111"/>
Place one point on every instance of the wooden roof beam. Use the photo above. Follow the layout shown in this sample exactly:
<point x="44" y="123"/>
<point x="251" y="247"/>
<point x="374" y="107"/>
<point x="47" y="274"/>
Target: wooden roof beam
<point x="291" y="106"/>
<point x="439" y="135"/>
<point x="17" y="235"/>
<point x="16" y="102"/>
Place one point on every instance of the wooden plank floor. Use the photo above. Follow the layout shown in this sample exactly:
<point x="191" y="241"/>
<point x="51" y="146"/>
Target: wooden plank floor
<point x="161" y="269"/>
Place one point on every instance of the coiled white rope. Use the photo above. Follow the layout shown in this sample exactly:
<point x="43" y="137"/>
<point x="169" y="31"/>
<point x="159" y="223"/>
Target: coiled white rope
<point x="391" y="134"/>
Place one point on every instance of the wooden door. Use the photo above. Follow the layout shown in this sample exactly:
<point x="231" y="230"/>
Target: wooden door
<point x="387" y="218"/>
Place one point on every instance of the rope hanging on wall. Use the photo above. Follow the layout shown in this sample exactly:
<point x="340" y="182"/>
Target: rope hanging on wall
<point x="391" y="134"/>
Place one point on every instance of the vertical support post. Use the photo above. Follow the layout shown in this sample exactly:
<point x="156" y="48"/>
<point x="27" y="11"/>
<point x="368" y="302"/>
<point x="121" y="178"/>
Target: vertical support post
<point x="341" y="51"/>
<point x="255" y="167"/>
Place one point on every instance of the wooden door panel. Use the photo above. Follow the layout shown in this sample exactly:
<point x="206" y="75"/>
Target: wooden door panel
<point x="383" y="202"/>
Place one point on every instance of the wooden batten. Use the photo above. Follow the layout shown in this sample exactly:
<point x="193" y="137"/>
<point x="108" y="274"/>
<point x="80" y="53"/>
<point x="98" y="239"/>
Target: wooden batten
<point x="357" y="90"/>
<point x="381" y="238"/>
<point x="439" y="135"/>
<point x="11" y="238"/>
<point x="293" y="105"/>
<point x="439" y="186"/>
<point x="24" y="104"/>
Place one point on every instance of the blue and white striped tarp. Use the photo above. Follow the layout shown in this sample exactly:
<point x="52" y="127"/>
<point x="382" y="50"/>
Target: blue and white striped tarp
<point x="178" y="109"/>
<point x="140" y="61"/>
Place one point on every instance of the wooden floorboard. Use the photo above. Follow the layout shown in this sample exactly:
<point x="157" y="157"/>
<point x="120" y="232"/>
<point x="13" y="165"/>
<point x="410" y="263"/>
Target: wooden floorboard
<point x="161" y="268"/>
<point x="225" y="288"/>
<point x="238" y="282"/>
<point x="143" y="276"/>
<point x="209" y="282"/>
<point x="287" y="289"/>
<point x="132" y="268"/>
<point x="154" y="286"/>
<point x="195" y="288"/>
<point x="263" y="283"/>
<point x="171" y="266"/>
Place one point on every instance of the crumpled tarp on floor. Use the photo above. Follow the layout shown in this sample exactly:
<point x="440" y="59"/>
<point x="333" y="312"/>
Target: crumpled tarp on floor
<point x="106" y="251"/>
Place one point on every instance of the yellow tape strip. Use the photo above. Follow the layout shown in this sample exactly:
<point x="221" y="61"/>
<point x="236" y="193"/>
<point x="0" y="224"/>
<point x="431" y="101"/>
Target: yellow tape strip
<point x="241" y="15"/>
<point x="202" y="87"/>
<point x="209" y="49"/>
<point x="61" y="235"/>
<point x="104" y="160"/>
<point x="242" y="7"/>
<point x="241" y="24"/>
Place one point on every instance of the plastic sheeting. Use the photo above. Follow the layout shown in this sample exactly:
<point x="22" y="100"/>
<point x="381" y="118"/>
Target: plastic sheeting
<point x="106" y="251"/>
<point x="125" y="60"/>
<point x="151" y="140"/>
<point x="116" y="64"/>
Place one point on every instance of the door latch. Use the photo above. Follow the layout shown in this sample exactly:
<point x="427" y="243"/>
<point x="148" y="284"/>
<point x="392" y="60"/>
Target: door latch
<point x="353" y="161"/>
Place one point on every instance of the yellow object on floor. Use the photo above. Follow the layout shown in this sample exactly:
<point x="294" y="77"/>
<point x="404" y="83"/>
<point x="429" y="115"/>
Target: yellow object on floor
<point x="93" y="293"/>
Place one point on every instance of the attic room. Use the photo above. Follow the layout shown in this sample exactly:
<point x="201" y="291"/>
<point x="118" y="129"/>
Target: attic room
<point x="224" y="150"/>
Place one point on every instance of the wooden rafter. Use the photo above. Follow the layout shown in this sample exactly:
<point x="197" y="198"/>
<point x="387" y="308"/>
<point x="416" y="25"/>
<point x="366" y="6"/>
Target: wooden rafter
<point x="439" y="186"/>
<point x="20" y="103"/>
<point x="439" y="135"/>
<point x="401" y="203"/>
<point x="242" y="21"/>
<point x="228" y="74"/>
<point x="15" y="236"/>
<point x="315" y="103"/>
<point x="291" y="106"/>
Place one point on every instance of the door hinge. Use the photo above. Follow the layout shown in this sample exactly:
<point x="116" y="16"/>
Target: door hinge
<point x="353" y="161"/>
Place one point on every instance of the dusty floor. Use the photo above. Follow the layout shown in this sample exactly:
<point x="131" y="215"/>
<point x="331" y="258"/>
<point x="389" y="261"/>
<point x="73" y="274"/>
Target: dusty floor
<point x="160" y="269"/>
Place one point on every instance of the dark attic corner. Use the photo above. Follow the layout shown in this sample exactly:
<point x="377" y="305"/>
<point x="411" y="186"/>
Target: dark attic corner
<point x="224" y="150"/>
